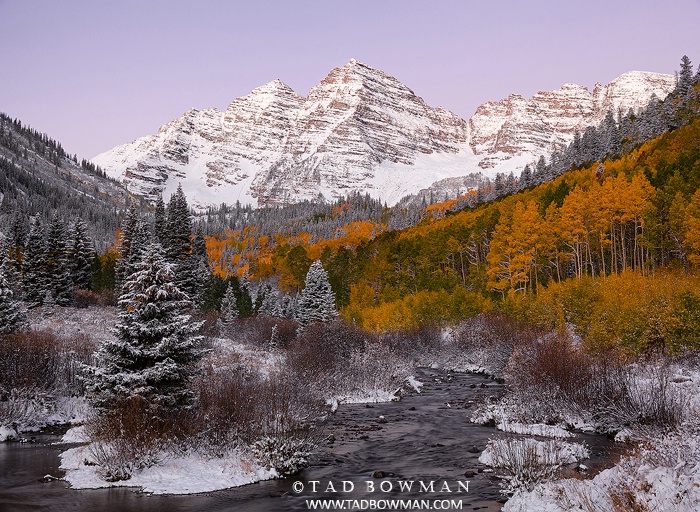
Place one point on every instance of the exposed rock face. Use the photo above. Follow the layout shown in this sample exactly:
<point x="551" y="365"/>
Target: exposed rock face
<point x="358" y="130"/>
<point x="547" y="121"/>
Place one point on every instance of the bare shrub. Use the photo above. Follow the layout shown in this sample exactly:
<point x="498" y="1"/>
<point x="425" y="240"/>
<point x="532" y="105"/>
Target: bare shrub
<point x="86" y="298"/>
<point x="340" y="361"/>
<point x="274" y="414"/>
<point x="613" y="393"/>
<point x="525" y="462"/>
<point x="43" y="362"/>
<point x="647" y="401"/>
<point x="415" y="344"/>
<point x="20" y="406"/>
<point x="258" y="331"/>
<point x="129" y="437"/>
<point x="322" y="347"/>
<point x="488" y="340"/>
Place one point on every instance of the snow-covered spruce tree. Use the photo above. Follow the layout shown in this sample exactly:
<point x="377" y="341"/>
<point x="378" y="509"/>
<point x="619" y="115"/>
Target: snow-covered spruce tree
<point x="229" y="306"/>
<point x="317" y="300"/>
<point x="81" y="255"/>
<point x="156" y="348"/>
<point x="128" y="226"/>
<point x="270" y="304"/>
<point x="179" y="242"/>
<point x="58" y="275"/>
<point x="201" y="270"/>
<point x="130" y="258"/>
<point x="289" y="307"/>
<point x="159" y="225"/>
<point x="34" y="265"/>
<point x="13" y="317"/>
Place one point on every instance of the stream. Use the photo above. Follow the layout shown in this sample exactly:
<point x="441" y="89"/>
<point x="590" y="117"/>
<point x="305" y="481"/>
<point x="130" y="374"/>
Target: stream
<point x="423" y="438"/>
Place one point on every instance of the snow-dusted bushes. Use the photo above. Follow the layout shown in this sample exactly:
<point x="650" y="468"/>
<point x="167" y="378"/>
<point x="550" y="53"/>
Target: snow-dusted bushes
<point x="344" y="363"/>
<point x="525" y="462"/>
<point x="258" y="331"/>
<point x="662" y="474"/>
<point x="129" y="437"/>
<point x="487" y="341"/>
<point x="36" y="370"/>
<point x="272" y="413"/>
<point x="553" y="381"/>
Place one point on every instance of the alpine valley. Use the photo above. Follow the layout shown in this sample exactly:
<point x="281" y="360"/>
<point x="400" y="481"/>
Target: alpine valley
<point x="359" y="130"/>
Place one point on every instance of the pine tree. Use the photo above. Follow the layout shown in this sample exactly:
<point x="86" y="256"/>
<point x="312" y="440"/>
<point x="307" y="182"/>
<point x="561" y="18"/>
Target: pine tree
<point x="13" y="317"/>
<point x="17" y="237"/>
<point x="160" y="223"/>
<point x="34" y="265"/>
<point x="82" y="256"/>
<point x="128" y="227"/>
<point x="270" y="304"/>
<point x="199" y="263"/>
<point x="179" y="245"/>
<point x="229" y="307"/>
<point x="289" y="307"/>
<point x="156" y="348"/>
<point x="525" y="178"/>
<point x="685" y="76"/>
<point x="317" y="300"/>
<point x="58" y="276"/>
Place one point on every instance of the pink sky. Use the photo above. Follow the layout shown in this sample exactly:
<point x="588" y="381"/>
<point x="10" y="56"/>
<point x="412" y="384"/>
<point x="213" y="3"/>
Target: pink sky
<point x="94" y="74"/>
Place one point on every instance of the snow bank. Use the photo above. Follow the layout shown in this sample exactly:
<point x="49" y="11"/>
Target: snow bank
<point x="550" y="452"/>
<point x="537" y="429"/>
<point x="75" y="435"/>
<point x="662" y="475"/>
<point x="373" y="396"/>
<point x="177" y="475"/>
<point x="7" y="434"/>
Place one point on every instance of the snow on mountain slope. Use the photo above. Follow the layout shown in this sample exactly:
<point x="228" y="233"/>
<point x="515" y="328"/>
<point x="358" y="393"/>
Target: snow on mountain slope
<point x="547" y="121"/>
<point x="358" y="130"/>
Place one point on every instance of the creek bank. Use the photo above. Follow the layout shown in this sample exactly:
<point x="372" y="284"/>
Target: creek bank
<point x="425" y="437"/>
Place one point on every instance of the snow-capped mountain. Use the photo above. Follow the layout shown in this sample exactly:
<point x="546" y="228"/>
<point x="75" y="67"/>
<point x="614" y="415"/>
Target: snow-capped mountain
<point x="518" y="126"/>
<point x="358" y="130"/>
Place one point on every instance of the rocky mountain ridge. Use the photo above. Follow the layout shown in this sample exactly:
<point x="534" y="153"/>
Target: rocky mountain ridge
<point x="358" y="130"/>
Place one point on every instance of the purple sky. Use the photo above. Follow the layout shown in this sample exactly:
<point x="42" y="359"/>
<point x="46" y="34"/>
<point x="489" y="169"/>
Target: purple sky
<point x="94" y="74"/>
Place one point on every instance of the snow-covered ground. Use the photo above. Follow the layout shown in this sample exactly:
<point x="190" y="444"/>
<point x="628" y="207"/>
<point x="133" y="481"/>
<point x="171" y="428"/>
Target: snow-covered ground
<point x="184" y="474"/>
<point x="661" y="473"/>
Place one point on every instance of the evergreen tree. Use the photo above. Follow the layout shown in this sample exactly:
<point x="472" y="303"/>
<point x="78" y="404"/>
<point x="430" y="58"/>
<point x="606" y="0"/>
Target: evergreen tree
<point x="58" y="275"/>
<point x="201" y="270"/>
<point x="82" y="256"/>
<point x="229" y="307"/>
<point x="160" y="223"/>
<point x="48" y="304"/>
<point x="179" y="244"/>
<point x="34" y="265"/>
<point x="13" y="317"/>
<point x="156" y="348"/>
<point x="289" y="307"/>
<point x="270" y="304"/>
<point x="17" y="236"/>
<point x="525" y="178"/>
<point x="685" y="76"/>
<point x="317" y="300"/>
<point x="128" y="227"/>
<point x="274" y="338"/>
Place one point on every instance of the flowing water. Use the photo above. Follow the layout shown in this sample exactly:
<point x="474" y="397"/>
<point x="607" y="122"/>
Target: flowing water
<point x="423" y="438"/>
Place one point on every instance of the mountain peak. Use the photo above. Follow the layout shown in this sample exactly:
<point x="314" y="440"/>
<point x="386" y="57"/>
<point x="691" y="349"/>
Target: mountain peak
<point x="276" y="86"/>
<point x="358" y="130"/>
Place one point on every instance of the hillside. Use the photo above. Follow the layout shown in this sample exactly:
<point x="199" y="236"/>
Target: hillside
<point x="38" y="176"/>
<point x="633" y="212"/>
